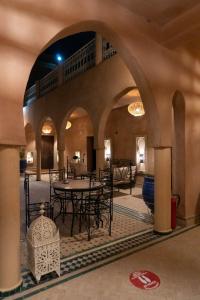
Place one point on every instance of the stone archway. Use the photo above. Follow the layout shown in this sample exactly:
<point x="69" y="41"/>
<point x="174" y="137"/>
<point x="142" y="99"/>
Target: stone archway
<point x="46" y="138"/>
<point x="21" y="58"/>
<point x="136" y="70"/>
<point x="78" y="138"/>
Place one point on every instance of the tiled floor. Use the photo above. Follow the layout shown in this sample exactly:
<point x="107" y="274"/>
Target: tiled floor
<point x="176" y="261"/>
<point x="126" y="222"/>
<point x="132" y="231"/>
<point x="131" y="227"/>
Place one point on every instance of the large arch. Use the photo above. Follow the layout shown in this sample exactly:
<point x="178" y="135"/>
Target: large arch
<point x="20" y="46"/>
<point x="87" y="128"/>
<point x="61" y="131"/>
<point x="133" y="64"/>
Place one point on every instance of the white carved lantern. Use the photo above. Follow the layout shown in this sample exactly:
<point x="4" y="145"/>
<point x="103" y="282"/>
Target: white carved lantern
<point x="43" y="247"/>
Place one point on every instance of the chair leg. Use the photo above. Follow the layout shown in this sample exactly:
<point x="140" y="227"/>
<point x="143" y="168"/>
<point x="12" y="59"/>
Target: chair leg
<point x="73" y="215"/>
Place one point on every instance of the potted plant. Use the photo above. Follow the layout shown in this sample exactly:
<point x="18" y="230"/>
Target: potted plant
<point x="23" y="162"/>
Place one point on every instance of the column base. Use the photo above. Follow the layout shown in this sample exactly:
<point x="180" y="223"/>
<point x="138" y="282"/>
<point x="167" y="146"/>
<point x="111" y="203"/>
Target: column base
<point x="15" y="289"/>
<point x="163" y="232"/>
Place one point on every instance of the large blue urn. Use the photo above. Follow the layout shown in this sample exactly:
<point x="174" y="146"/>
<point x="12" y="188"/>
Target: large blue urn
<point x="148" y="192"/>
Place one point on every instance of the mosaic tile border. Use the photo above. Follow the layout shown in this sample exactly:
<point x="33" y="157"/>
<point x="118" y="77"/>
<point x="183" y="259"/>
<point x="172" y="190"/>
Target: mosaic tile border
<point x="92" y="259"/>
<point x="144" y="217"/>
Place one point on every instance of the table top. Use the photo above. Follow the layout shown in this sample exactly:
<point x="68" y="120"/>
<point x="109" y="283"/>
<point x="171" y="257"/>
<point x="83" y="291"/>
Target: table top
<point x="77" y="185"/>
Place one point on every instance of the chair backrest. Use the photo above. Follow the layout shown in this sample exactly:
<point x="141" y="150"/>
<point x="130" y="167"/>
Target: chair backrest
<point x="54" y="176"/>
<point x="106" y="177"/>
<point x="77" y="169"/>
<point x="32" y="208"/>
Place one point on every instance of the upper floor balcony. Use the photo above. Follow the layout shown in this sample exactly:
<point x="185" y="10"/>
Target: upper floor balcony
<point x="82" y="60"/>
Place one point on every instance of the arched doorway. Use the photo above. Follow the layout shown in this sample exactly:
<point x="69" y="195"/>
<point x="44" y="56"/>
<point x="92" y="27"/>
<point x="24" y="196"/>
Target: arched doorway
<point x="50" y="29"/>
<point x="48" y="145"/>
<point x="79" y="140"/>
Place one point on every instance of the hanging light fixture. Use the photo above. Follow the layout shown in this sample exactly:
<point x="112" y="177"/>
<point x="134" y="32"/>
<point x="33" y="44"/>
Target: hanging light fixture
<point x="46" y="129"/>
<point x="136" y="108"/>
<point x="69" y="124"/>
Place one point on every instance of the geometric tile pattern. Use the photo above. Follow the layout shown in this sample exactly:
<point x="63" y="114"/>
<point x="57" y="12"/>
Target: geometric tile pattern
<point x="91" y="258"/>
<point x="99" y="249"/>
<point x="125" y="223"/>
<point x="79" y="256"/>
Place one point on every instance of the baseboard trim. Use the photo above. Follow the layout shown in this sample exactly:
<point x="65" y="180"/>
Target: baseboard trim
<point x="189" y="221"/>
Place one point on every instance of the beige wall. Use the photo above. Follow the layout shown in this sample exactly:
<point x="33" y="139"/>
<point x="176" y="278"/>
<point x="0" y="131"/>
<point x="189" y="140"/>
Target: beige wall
<point x="157" y="70"/>
<point x="27" y="28"/>
<point x="99" y="89"/>
<point x="122" y="128"/>
<point x="76" y="138"/>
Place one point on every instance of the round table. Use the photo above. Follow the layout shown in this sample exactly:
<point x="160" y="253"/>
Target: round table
<point x="77" y="185"/>
<point x="75" y="191"/>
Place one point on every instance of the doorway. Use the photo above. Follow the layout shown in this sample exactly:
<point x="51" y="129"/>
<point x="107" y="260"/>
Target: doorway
<point x="91" y="154"/>
<point x="47" y="151"/>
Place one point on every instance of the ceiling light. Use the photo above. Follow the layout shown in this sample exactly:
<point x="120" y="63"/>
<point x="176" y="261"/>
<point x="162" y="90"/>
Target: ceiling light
<point x="136" y="108"/>
<point x="69" y="124"/>
<point x="46" y="129"/>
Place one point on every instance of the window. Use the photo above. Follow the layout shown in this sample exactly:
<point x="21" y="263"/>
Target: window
<point x="107" y="151"/>
<point x="140" y="153"/>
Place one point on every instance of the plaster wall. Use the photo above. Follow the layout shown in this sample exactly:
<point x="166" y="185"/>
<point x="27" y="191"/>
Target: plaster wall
<point x="122" y="128"/>
<point x="98" y="90"/>
<point x="28" y="27"/>
<point x="76" y="138"/>
<point x="192" y="159"/>
<point x="95" y="91"/>
<point x="156" y="69"/>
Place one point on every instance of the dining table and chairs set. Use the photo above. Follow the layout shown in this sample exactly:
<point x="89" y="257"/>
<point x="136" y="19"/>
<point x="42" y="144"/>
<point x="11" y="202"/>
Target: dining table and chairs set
<point x="87" y="202"/>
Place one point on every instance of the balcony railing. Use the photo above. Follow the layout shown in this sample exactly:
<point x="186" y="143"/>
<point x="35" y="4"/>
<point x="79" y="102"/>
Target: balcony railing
<point x="108" y="50"/>
<point x="78" y="63"/>
<point x="49" y="82"/>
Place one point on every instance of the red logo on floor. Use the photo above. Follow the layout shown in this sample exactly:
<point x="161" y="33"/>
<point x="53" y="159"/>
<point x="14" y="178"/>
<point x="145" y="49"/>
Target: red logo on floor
<point x="145" y="280"/>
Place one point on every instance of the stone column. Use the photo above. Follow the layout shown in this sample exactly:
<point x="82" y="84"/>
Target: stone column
<point x="162" y="196"/>
<point x="99" y="49"/>
<point x="38" y="169"/>
<point x="10" y="277"/>
<point x="61" y="158"/>
<point x="100" y="161"/>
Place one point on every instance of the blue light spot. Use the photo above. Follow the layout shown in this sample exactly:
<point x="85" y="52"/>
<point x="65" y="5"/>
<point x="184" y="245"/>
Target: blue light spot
<point x="59" y="57"/>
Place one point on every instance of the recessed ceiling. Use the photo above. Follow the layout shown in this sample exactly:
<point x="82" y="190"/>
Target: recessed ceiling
<point x="159" y="11"/>
<point x="78" y="113"/>
<point x="128" y="98"/>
